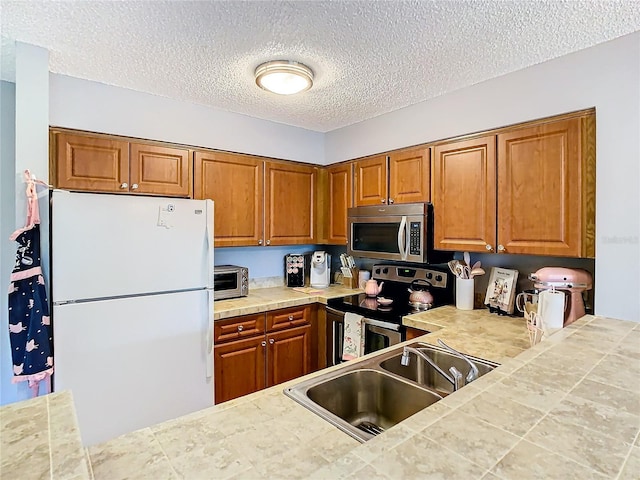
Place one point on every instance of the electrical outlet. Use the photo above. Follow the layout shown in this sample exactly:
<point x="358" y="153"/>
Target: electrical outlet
<point x="478" y="298"/>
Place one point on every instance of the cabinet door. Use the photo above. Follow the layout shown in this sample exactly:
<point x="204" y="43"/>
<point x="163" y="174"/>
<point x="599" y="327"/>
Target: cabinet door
<point x="339" y="199"/>
<point x="409" y="176"/>
<point x="290" y="204"/>
<point x="539" y="189"/>
<point x="156" y="170"/>
<point x="239" y="368"/>
<point x="288" y="354"/>
<point x="464" y="195"/>
<point x="92" y="164"/>
<point x="235" y="184"/>
<point x="371" y="181"/>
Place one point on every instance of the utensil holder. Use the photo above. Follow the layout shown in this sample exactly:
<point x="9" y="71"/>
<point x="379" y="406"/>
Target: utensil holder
<point x="464" y="293"/>
<point x="352" y="281"/>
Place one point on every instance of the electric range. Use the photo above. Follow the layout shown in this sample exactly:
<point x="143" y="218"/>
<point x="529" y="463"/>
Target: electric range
<point x="383" y="323"/>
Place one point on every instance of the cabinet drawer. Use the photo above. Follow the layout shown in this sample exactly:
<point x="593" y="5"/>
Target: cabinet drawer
<point x="290" y="317"/>
<point x="238" y="327"/>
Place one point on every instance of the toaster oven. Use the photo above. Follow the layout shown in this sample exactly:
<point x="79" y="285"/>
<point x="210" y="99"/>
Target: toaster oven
<point x="230" y="281"/>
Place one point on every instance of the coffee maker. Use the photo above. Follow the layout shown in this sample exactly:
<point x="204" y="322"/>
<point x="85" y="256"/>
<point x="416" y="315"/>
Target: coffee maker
<point x="320" y="269"/>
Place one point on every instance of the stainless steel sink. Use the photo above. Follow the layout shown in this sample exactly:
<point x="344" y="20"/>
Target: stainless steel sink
<point x="362" y="402"/>
<point x="423" y="373"/>
<point x="365" y="398"/>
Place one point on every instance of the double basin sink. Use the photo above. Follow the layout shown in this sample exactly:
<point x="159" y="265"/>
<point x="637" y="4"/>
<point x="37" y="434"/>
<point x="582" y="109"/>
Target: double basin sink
<point x="368" y="397"/>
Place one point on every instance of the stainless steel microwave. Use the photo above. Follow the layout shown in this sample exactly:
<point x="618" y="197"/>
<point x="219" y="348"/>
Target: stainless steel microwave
<point x="391" y="232"/>
<point x="230" y="281"/>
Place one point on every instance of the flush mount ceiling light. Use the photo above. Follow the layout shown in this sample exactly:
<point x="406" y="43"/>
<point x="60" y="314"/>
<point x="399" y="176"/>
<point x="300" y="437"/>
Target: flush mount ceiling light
<point x="284" y="77"/>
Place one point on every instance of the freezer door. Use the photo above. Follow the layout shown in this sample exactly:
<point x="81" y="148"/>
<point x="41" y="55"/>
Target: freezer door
<point x="111" y="245"/>
<point x="133" y="362"/>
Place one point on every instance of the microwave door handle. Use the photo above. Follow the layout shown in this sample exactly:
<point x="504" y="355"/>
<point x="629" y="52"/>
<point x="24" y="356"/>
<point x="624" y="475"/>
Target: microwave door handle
<point x="402" y="238"/>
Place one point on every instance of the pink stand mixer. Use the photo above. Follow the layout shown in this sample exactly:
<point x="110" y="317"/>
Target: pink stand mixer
<point x="573" y="281"/>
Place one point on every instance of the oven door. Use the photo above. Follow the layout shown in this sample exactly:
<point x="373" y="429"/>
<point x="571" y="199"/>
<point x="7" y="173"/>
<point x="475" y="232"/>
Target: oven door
<point x="378" y="337"/>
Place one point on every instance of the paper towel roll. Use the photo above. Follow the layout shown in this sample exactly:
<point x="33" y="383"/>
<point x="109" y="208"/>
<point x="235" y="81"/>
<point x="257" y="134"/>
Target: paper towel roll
<point x="551" y="310"/>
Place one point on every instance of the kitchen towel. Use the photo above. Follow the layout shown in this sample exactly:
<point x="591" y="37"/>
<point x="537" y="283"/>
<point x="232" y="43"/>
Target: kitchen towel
<point x="353" y="340"/>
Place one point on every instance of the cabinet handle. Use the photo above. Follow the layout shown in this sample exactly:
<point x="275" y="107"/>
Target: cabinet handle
<point x="271" y="341"/>
<point x="240" y="328"/>
<point x="488" y="247"/>
<point x="501" y="248"/>
<point x="268" y="242"/>
<point x="291" y="318"/>
<point x="260" y="242"/>
<point x="391" y="201"/>
<point x="134" y="186"/>
<point x="263" y="343"/>
<point x="383" y="200"/>
<point x="124" y="185"/>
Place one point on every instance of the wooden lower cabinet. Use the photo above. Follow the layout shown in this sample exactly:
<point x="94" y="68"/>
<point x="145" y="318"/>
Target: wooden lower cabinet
<point x="239" y="368"/>
<point x="253" y="352"/>
<point x="288" y="354"/>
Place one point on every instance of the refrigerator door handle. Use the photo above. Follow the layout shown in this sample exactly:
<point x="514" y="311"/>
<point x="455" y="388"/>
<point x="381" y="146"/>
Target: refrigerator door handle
<point x="210" y="242"/>
<point x="209" y="343"/>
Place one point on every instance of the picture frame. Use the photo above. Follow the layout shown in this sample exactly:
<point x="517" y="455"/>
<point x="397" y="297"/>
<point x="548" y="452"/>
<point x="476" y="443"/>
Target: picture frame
<point x="501" y="290"/>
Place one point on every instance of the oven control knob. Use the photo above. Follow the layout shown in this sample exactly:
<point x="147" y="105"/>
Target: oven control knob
<point x="438" y="278"/>
<point x="429" y="275"/>
<point x="385" y="270"/>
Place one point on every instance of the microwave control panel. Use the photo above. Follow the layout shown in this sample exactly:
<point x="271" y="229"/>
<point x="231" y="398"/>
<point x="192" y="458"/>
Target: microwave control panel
<point x="415" y="234"/>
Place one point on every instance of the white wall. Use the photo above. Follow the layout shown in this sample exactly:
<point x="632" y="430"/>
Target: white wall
<point x="606" y="77"/>
<point x="25" y="145"/>
<point x="93" y="106"/>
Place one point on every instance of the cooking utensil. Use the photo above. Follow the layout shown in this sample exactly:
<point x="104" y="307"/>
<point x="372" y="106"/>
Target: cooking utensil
<point x="467" y="259"/>
<point x="476" y="271"/>
<point x="476" y="265"/>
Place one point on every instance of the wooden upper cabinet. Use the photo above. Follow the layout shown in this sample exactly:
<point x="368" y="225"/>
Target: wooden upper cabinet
<point x="104" y="164"/>
<point x="464" y="194"/>
<point x="545" y="188"/>
<point x="290" y="193"/>
<point x="90" y="163"/>
<point x="409" y="176"/>
<point x="235" y="184"/>
<point x="338" y="199"/>
<point x="371" y="181"/>
<point x="156" y="170"/>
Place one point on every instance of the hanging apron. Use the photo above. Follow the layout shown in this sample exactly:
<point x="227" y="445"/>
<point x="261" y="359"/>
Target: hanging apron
<point x="30" y="332"/>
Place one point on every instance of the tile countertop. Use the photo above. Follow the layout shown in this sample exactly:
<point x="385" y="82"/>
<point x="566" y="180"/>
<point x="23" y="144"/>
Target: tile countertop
<point x="567" y="408"/>
<point x="265" y="299"/>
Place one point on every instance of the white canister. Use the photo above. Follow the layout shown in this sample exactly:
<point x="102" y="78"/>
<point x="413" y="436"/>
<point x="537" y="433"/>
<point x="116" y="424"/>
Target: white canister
<point x="551" y="305"/>
<point x="464" y="293"/>
<point x="363" y="276"/>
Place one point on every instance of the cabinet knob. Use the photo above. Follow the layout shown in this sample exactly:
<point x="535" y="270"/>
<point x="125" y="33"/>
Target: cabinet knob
<point x="134" y="186"/>
<point x="488" y="247"/>
<point x="291" y="318"/>
<point x="501" y="248"/>
<point x="260" y="242"/>
<point x="391" y="201"/>
<point x="268" y="242"/>
<point x="240" y="328"/>
<point x="263" y="343"/>
<point x="124" y="185"/>
<point x="271" y="341"/>
<point x="383" y="200"/>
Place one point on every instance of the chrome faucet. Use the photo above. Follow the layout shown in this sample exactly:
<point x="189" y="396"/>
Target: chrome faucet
<point x="455" y="378"/>
<point x="473" y="372"/>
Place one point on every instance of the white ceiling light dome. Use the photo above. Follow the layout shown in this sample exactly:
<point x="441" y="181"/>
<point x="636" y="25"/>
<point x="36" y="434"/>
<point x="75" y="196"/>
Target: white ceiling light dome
<point x="284" y="77"/>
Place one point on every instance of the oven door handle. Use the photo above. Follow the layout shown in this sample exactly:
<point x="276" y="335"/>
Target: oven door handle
<point x="377" y="324"/>
<point x="402" y="238"/>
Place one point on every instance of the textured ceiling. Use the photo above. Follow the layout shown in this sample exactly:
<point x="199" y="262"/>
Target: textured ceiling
<point x="369" y="57"/>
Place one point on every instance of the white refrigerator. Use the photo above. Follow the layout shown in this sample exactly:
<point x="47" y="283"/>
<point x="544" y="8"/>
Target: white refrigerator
<point x="132" y="296"/>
